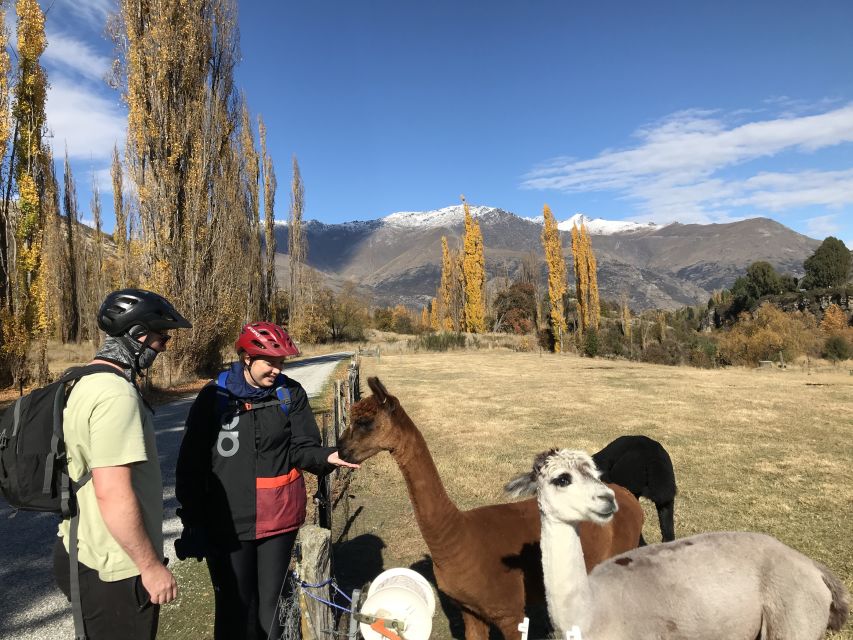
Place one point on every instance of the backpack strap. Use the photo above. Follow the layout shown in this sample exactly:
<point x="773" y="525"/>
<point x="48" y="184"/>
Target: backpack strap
<point x="76" y="604"/>
<point x="224" y="397"/>
<point x="64" y="386"/>
<point x="283" y="394"/>
<point x="283" y="401"/>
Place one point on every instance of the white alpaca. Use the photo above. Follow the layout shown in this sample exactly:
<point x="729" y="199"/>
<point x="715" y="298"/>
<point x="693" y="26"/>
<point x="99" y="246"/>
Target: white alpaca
<point x="732" y="585"/>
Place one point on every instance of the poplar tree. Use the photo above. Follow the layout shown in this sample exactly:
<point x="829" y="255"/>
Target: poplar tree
<point x="446" y="287"/>
<point x="6" y="269"/>
<point x="270" y="185"/>
<point x="183" y="155"/>
<point x="474" y="274"/>
<point x="556" y="275"/>
<point x="625" y="315"/>
<point x="255" y="299"/>
<point x="120" y="229"/>
<point x="54" y="244"/>
<point x="71" y="318"/>
<point x="458" y="259"/>
<point x="434" y="322"/>
<point x="579" y="263"/>
<point x="25" y="316"/>
<point x="594" y="306"/>
<point x="97" y="295"/>
<point x="297" y="250"/>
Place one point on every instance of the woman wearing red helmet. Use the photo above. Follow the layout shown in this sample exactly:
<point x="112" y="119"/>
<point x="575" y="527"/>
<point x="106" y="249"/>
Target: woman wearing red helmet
<point x="249" y="435"/>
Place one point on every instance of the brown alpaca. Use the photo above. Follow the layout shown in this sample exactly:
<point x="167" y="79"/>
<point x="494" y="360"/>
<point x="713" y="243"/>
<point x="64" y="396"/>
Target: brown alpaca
<point x="486" y="559"/>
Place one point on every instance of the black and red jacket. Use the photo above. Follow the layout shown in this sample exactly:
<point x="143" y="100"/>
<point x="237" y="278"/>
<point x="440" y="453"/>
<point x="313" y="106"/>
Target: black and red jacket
<point x="239" y="471"/>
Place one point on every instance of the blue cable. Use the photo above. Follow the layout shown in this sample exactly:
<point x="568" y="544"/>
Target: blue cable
<point x="346" y="597"/>
<point x="326" y="602"/>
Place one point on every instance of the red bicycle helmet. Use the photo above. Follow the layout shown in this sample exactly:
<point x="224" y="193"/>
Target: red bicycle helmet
<point x="265" y="339"/>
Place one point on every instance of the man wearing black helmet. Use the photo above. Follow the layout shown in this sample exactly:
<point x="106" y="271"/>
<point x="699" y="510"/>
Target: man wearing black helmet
<point x="109" y="431"/>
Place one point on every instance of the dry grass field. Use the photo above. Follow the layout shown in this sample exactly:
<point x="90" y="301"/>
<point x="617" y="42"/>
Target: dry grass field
<point x="765" y="450"/>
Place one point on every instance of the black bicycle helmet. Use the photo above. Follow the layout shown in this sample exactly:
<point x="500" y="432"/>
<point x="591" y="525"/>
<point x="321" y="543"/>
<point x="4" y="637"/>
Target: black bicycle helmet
<point x="128" y="308"/>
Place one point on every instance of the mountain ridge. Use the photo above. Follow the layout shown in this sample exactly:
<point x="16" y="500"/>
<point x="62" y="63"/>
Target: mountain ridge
<point x="397" y="258"/>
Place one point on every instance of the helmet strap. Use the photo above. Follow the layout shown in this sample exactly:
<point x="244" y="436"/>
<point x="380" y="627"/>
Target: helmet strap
<point x="138" y="349"/>
<point x="248" y="369"/>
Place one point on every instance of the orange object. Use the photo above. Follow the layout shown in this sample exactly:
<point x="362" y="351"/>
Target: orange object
<point x="380" y="628"/>
<point x="277" y="481"/>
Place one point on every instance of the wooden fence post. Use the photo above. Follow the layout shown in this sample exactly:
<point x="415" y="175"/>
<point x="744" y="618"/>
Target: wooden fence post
<point x="314" y="567"/>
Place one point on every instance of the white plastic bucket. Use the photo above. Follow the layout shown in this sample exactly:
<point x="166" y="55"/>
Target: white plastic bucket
<point x="400" y="594"/>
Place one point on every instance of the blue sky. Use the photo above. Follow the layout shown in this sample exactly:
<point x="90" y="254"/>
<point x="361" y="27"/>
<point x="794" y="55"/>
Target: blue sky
<point x="657" y="111"/>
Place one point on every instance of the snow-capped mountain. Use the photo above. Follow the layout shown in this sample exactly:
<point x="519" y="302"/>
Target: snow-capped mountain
<point x="446" y="216"/>
<point x="601" y="227"/>
<point x="397" y="258"/>
<point x="455" y="214"/>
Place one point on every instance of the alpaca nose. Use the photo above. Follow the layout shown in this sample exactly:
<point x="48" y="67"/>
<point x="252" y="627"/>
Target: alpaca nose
<point x="609" y="500"/>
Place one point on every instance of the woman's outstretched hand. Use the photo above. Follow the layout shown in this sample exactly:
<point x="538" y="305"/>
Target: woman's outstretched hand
<point x="335" y="459"/>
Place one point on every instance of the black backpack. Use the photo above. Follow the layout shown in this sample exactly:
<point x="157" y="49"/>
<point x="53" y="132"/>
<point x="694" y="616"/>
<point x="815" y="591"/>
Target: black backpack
<point x="33" y="463"/>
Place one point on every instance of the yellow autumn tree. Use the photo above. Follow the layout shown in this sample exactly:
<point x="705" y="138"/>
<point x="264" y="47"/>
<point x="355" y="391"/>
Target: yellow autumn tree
<point x="120" y="275"/>
<point x="434" y="323"/>
<point x="25" y="315"/>
<point x="270" y="289"/>
<point x="185" y="160"/>
<point x="581" y="280"/>
<point x="556" y="275"/>
<point x="474" y="274"/>
<point x="586" y="279"/>
<point x="625" y="315"/>
<point x="5" y="129"/>
<point x="256" y="299"/>
<point x="594" y="306"/>
<point x="835" y="322"/>
<point x="446" y="287"/>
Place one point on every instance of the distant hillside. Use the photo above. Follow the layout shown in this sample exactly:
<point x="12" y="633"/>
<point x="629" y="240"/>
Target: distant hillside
<point x="398" y="258"/>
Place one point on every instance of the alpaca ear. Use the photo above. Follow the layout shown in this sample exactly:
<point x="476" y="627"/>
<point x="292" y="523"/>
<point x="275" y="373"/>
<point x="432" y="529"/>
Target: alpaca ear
<point x="524" y="484"/>
<point x="386" y="401"/>
<point x="378" y="389"/>
<point x="539" y="461"/>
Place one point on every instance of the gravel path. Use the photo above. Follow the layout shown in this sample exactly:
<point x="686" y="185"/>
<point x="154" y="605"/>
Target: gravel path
<point x="31" y="606"/>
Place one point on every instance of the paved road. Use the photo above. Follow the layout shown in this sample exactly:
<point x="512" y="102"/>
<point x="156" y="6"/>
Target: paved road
<point x="31" y="606"/>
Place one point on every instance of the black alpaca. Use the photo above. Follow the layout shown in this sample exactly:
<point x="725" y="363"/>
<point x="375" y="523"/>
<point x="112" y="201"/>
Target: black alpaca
<point x="644" y="468"/>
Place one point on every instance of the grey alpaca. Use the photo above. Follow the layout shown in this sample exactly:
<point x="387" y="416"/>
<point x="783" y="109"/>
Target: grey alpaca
<point x="732" y="585"/>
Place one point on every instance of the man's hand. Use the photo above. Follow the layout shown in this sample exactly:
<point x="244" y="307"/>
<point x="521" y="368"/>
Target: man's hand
<point x="159" y="583"/>
<point x="120" y="511"/>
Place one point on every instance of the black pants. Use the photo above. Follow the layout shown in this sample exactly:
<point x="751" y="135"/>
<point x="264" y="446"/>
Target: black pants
<point x="111" y="610"/>
<point x="247" y="583"/>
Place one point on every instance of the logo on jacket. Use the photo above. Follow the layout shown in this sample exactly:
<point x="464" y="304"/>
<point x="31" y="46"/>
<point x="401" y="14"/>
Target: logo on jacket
<point x="228" y="442"/>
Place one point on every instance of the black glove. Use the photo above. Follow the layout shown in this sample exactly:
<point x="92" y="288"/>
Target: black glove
<point x="193" y="543"/>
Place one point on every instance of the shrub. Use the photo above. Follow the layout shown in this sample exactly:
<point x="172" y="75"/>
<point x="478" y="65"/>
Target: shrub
<point x="703" y="353"/>
<point x="438" y="341"/>
<point x="546" y="339"/>
<point x="837" y="348"/>
<point x="666" y="352"/>
<point x="590" y="343"/>
<point x="766" y="333"/>
<point x="611" y="340"/>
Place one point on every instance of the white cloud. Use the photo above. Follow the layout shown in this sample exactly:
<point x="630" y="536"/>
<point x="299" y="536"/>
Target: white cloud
<point x="91" y="12"/>
<point x="89" y="123"/>
<point x="674" y="172"/>
<point x="70" y="54"/>
<point x="823" y="226"/>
